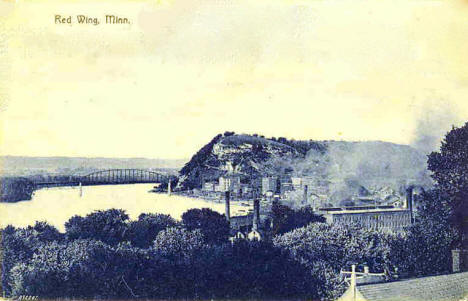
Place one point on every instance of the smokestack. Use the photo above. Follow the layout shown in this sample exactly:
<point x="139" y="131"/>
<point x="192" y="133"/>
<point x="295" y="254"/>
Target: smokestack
<point x="256" y="215"/>
<point x="366" y="269"/>
<point x="305" y="194"/>
<point x="278" y="186"/>
<point x="409" y="201"/>
<point x="353" y="281"/>
<point x="227" y="197"/>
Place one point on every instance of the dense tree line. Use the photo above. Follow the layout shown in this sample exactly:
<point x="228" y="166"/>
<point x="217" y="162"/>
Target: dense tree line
<point x="302" y="146"/>
<point x="104" y="255"/>
<point x="286" y="219"/>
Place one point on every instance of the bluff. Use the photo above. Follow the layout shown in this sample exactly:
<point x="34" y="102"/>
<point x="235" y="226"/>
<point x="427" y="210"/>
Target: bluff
<point x="344" y="165"/>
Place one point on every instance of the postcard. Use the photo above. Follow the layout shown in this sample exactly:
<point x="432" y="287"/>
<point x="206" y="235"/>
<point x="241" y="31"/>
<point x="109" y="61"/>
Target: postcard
<point x="234" y="150"/>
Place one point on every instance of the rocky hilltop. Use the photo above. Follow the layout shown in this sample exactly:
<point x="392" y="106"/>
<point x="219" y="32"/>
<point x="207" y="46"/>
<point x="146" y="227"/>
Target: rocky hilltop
<point x="348" y="167"/>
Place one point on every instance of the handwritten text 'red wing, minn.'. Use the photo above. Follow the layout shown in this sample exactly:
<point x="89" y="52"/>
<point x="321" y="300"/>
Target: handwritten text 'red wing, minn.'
<point x="83" y="19"/>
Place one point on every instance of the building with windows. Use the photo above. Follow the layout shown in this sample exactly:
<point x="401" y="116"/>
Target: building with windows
<point x="209" y="186"/>
<point x="269" y="184"/>
<point x="229" y="183"/>
<point x="296" y="183"/>
<point x="388" y="218"/>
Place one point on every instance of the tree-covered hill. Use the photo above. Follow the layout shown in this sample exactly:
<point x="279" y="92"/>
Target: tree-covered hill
<point x="342" y="164"/>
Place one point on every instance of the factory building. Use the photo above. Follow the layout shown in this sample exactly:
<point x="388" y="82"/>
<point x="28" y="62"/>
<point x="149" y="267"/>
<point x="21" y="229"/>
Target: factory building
<point x="377" y="217"/>
<point x="394" y="219"/>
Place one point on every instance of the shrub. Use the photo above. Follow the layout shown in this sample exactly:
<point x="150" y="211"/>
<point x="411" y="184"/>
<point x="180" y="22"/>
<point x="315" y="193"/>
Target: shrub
<point x="19" y="245"/>
<point x="286" y="219"/>
<point x="108" y="226"/>
<point x="141" y="233"/>
<point x="213" y="226"/>
<point x="325" y="249"/>
<point x="177" y="242"/>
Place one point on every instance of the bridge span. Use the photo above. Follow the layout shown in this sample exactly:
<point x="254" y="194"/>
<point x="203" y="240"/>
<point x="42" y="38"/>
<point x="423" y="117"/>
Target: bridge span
<point x="107" y="177"/>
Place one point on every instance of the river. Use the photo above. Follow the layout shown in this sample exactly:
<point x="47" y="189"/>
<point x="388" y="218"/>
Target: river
<point x="56" y="205"/>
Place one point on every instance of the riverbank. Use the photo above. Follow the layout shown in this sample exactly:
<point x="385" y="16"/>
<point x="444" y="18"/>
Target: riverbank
<point x="57" y="204"/>
<point x="241" y="206"/>
<point x="217" y="197"/>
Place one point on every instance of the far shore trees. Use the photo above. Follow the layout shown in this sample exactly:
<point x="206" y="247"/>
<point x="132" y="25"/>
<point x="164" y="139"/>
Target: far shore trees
<point x="15" y="189"/>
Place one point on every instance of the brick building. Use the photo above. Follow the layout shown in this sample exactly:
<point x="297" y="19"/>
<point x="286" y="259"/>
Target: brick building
<point x="392" y="218"/>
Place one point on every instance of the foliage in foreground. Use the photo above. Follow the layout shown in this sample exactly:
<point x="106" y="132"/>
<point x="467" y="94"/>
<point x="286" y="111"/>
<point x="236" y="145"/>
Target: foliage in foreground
<point x="212" y="225"/>
<point x="286" y="219"/>
<point x="104" y="255"/>
<point x="86" y="268"/>
<point x="449" y="170"/>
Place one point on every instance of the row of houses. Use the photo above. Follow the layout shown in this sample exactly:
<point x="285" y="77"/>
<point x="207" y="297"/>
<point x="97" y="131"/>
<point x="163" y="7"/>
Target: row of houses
<point x="266" y="185"/>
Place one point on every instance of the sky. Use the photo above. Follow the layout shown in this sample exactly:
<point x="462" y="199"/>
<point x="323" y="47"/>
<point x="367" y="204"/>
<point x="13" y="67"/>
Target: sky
<point x="186" y="70"/>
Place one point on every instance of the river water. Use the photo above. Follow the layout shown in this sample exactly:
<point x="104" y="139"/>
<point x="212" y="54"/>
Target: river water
<point x="56" y="205"/>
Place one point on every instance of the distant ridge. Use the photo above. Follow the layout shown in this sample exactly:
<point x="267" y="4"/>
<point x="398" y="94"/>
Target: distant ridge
<point x="23" y="166"/>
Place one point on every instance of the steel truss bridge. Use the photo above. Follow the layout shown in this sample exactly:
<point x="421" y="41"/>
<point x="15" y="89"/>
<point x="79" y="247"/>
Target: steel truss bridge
<point x="107" y="177"/>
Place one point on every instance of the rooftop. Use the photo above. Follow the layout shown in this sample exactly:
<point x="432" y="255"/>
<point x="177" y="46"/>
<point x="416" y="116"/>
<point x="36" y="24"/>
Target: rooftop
<point x="368" y="211"/>
<point x="451" y="287"/>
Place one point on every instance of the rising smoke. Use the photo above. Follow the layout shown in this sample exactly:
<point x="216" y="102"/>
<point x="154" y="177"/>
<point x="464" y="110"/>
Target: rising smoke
<point x="355" y="168"/>
<point x="361" y="168"/>
<point x="433" y="122"/>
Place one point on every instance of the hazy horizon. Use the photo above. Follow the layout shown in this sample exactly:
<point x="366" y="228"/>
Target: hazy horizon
<point x="188" y="158"/>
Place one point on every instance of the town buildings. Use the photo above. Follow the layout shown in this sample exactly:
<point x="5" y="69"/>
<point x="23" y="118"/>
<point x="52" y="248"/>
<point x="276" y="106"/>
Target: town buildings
<point x="308" y="191"/>
<point x="209" y="186"/>
<point x="225" y="183"/>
